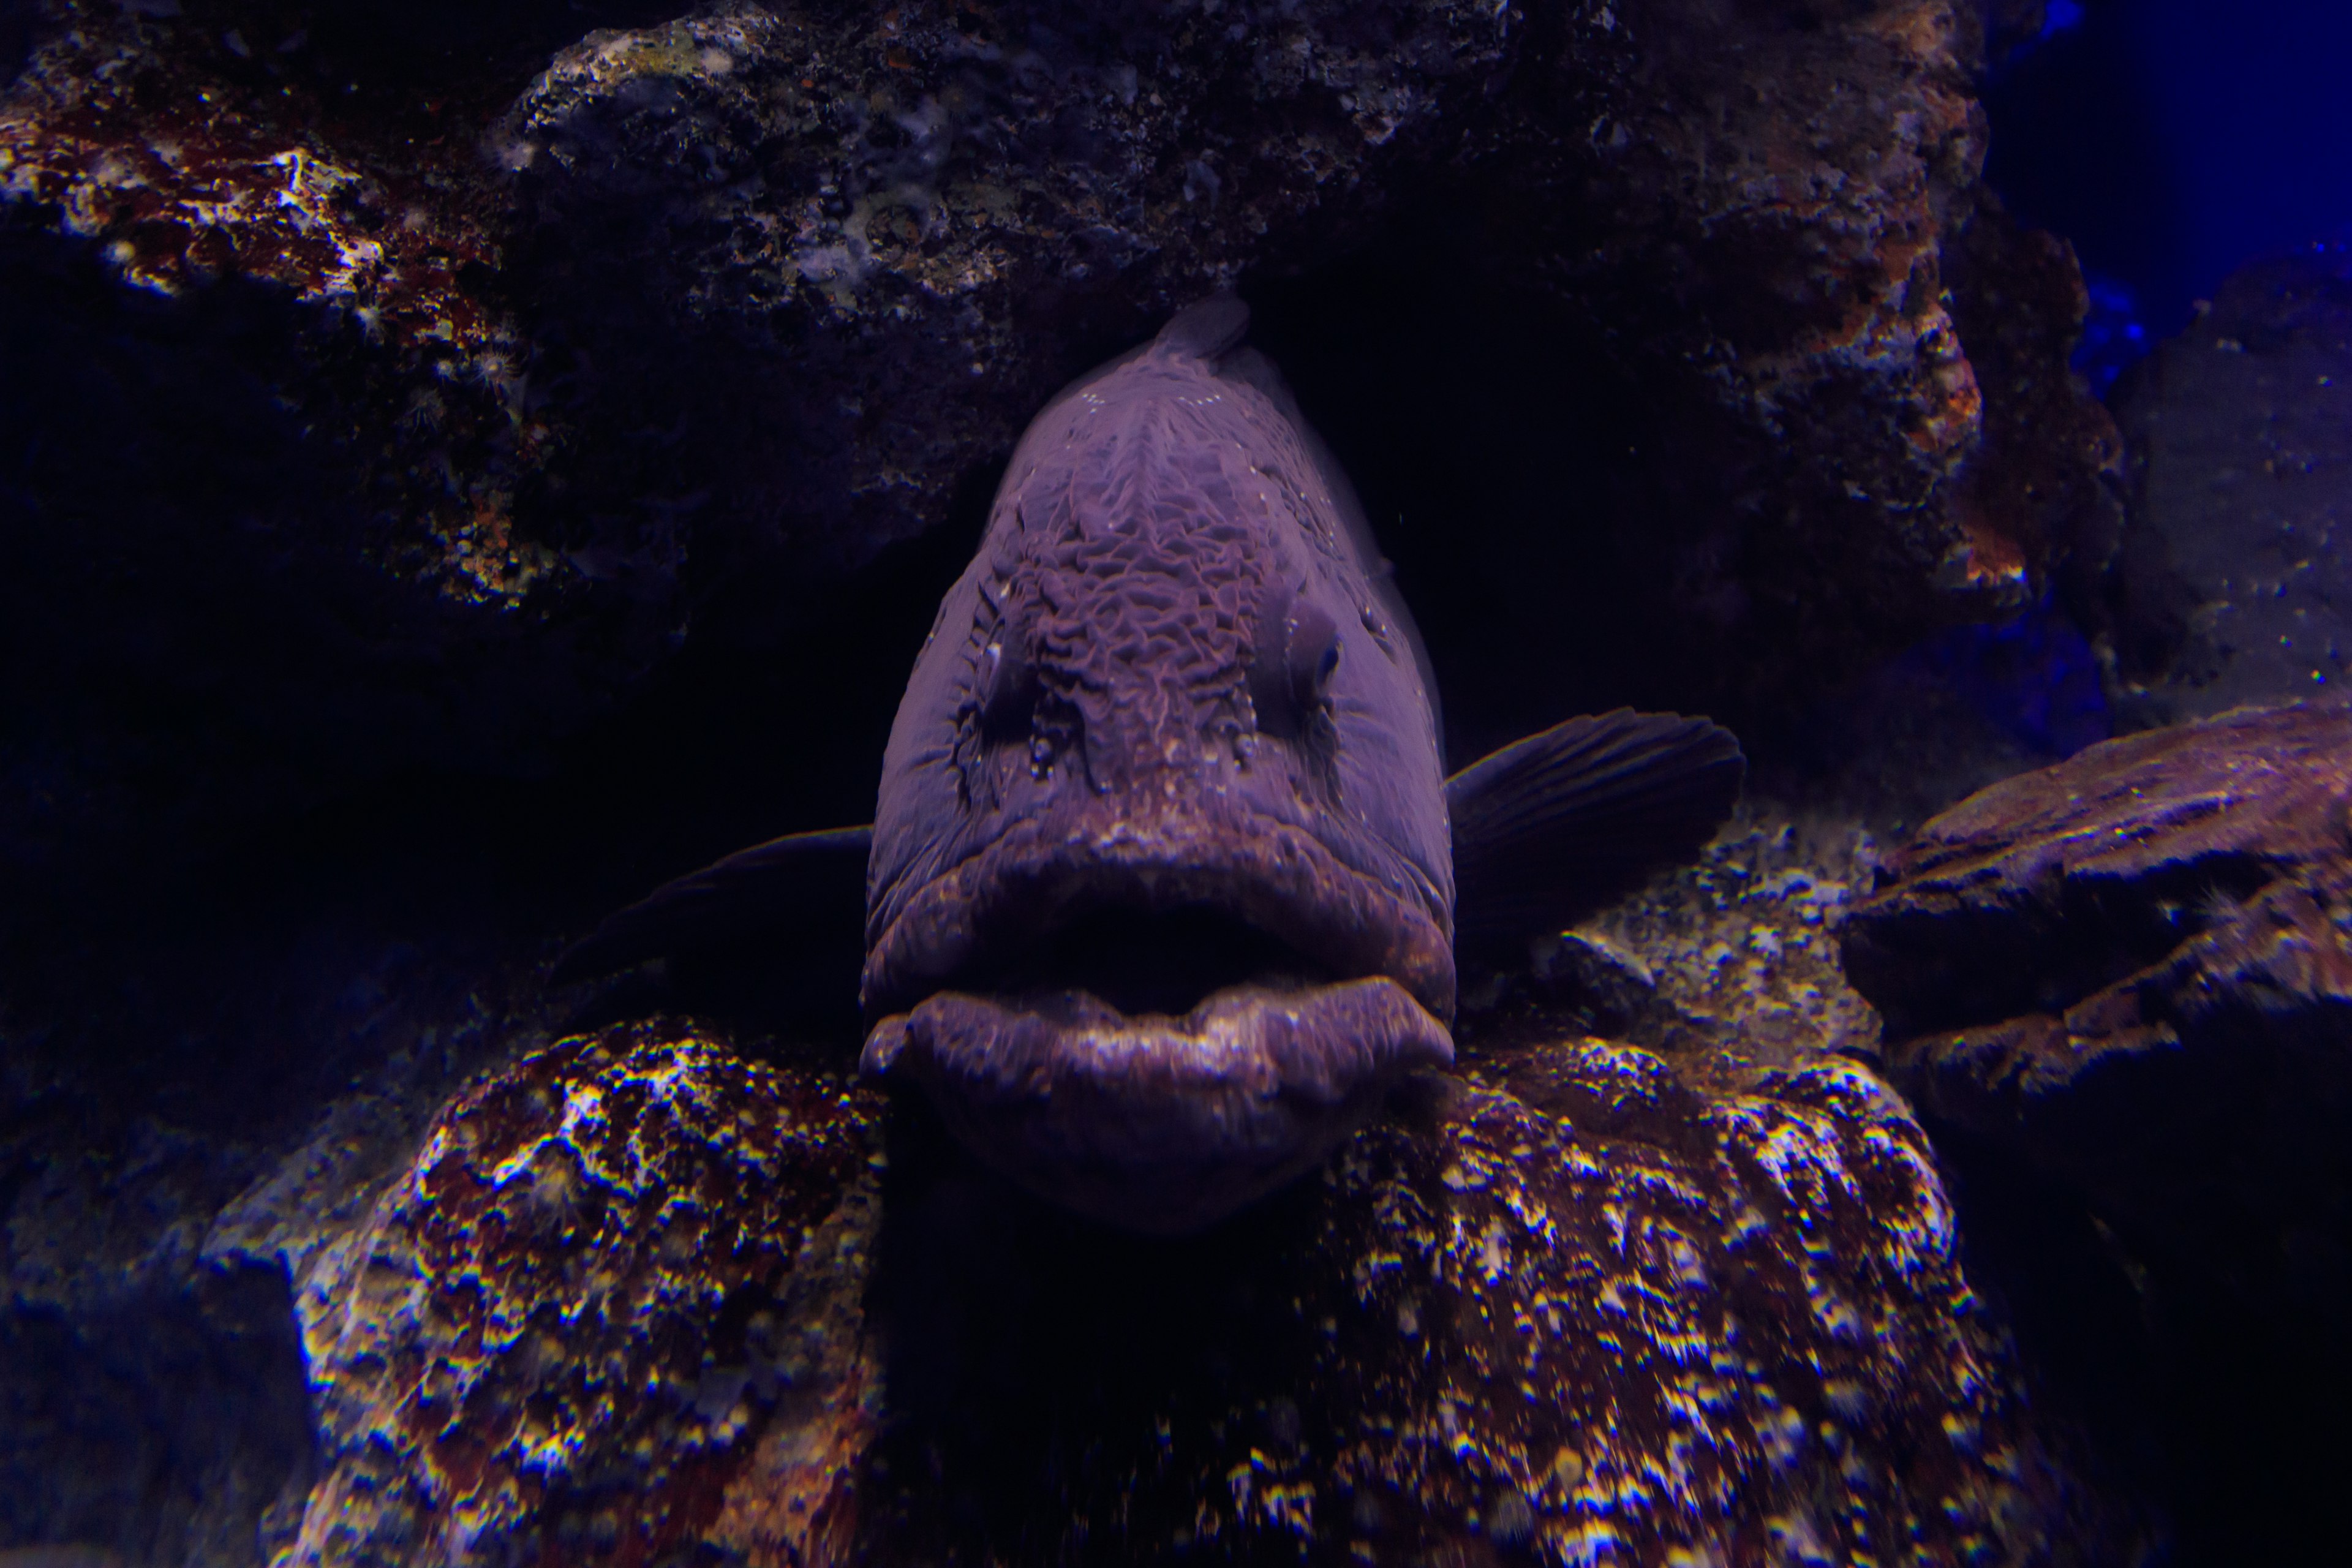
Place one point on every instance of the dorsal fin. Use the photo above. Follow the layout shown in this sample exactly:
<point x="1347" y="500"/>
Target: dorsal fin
<point x="799" y="900"/>
<point x="1553" y="828"/>
<point x="1205" y="329"/>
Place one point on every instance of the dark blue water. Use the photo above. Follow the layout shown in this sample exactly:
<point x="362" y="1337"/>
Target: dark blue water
<point x="2173" y="140"/>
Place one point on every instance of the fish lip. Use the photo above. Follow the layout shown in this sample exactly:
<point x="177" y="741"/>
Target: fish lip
<point x="1276" y="876"/>
<point x="1154" y="1123"/>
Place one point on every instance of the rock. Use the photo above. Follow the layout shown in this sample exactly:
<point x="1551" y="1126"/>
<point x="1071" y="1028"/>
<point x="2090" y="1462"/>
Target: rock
<point x="1585" y="1301"/>
<point x="1600" y="1307"/>
<point x="1870" y="338"/>
<point x="2121" y="988"/>
<point x="848" y="255"/>
<point x="273" y="462"/>
<point x="2232" y="584"/>
<point x="2083" y="886"/>
<point x="810" y="232"/>
<point x="1607" y="986"/>
<point x="610" y="1308"/>
<point x="1596" y="1308"/>
<point x="638" y="1295"/>
<point x="1743" y="947"/>
<point x="2050" y="472"/>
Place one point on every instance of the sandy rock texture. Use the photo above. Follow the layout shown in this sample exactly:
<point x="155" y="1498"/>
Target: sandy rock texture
<point x="2118" y="988"/>
<point x="2232" y="581"/>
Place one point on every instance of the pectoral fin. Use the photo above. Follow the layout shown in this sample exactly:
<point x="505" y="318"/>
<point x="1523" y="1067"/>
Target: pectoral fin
<point x="1553" y="828"/>
<point x="792" y="910"/>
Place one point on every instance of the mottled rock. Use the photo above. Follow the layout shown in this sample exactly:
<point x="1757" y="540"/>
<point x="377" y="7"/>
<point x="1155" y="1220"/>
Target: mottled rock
<point x="2121" y="989"/>
<point x="1593" y="1301"/>
<point x="1777" y="220"/>
<point x="1743" y="947"/>
<point x="610" y="1310"/>
<point x="854" y="252"/>
<point x="2079" y="886"/>
<point x="1601" y="1308"/>
<point x="2049" y="473"/>
<point x="2232" y="580"/>
<point x="1607" y="986"/>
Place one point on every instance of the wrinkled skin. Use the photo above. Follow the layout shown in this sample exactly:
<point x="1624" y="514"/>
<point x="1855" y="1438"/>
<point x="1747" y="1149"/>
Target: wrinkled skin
<point x="1161" y="897"/>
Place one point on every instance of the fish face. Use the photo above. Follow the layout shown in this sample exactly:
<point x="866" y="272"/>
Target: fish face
<point x="1161" y="897"/>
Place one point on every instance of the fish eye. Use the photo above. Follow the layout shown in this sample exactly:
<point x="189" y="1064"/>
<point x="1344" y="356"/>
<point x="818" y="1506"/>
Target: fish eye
<point x="1005" y="691"/>
<point x="1314" y="653"/>
<point x="1297" y="655"/>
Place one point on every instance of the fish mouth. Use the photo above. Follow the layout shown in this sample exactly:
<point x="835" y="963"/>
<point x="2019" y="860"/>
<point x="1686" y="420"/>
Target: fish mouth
<point x="1156" y="1023"/>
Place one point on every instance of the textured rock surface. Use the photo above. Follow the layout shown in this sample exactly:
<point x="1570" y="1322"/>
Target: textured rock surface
<point x="2083" y="885"/>
<point x="635" y="1265"/>
<point x="1598" y="1309"/>
<point x="2232" y="583"/>
<point x="1781" y="210"/>
<point x="611" y="1309"/>
<point x="2123" y="985"/>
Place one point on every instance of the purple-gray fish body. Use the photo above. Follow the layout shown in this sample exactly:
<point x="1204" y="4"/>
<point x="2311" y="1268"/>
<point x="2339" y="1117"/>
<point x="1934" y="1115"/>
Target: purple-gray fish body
<point x="1166" y="884"/>
<point x="1160" y="900"/>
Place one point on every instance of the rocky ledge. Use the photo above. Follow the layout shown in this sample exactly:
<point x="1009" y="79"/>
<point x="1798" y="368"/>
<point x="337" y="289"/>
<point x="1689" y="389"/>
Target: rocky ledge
<point x="2120" y="990"/>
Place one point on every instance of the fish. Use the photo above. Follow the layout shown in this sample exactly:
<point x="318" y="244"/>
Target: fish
<point x="1166" y="890"/>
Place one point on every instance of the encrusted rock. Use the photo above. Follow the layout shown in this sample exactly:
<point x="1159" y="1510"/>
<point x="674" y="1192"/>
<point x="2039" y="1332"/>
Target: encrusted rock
<point x="1601" y="1308"/>
<point x="855" y="251"/>
<point x="636" y="1298"/>
<point x="1608" y="985"/>
<point x="1743" y="948"/>
<point x="609" y="1312"/>
<point x="2234" y="577"/>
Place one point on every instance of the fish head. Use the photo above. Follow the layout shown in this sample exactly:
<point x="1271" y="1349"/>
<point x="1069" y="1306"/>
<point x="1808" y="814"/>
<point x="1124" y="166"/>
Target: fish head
<point x="1160" y="905"/>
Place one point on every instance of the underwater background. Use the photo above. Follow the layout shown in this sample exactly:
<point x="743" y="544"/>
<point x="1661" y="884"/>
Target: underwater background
<point x="463" y="466"/>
